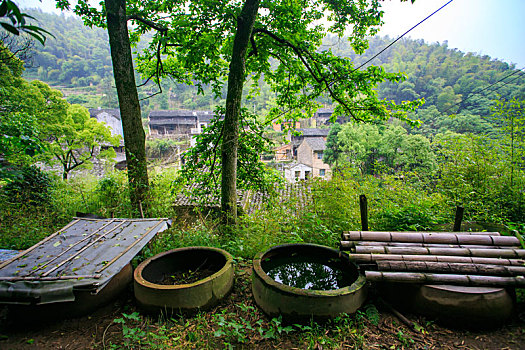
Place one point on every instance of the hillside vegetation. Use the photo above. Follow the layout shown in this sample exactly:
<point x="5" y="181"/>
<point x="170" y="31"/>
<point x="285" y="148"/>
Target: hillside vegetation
<point x="77" y="62"/>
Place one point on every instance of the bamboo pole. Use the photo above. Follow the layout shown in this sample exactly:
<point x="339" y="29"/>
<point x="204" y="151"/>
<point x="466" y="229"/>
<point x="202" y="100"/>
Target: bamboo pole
<point x="429" y="237"/>
<point x="486" y="253"/>
<point x="346" y="234"/>
<point x="435" y="278"/>
<point x="371" y="258"/>
<point x="346" y="245"/>
<point x="456" y="268"/>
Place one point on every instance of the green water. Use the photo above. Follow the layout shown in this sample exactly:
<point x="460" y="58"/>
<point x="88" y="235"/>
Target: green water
<point x="308" y="273"/>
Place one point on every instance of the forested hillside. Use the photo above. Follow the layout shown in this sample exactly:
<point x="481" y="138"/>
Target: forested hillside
<point x="77" y="62"/>
<point x="451" y="82"/>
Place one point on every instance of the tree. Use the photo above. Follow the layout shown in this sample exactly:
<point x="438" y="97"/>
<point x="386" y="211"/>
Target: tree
<point x="377" y="148"/>
<point x="511" y="117"/>
<point x="38" y="124"/>
<point x="134" y="137"/>
<point x="76" y="138"/>
<point x="113" y="16"/>
<point x="333" y="147"/>
<point x="23" y="107"/>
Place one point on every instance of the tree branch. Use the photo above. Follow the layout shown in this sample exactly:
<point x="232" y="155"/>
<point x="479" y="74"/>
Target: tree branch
<point x="318" y="76"/>
<point x="147" y="22"/>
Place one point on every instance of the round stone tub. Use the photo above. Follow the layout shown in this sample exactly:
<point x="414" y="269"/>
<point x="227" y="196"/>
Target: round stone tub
<point x="153" y="293"/>
<point x="276" y="298"/>
<point x="454" y="306"/>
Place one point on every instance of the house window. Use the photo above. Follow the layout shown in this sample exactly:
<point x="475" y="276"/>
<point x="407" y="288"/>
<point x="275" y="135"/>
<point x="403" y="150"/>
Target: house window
<point x="306" y="174"/>
<point x="322" y="172"/>
<point x="319" y="155"/>
<point x="297" y="174"/>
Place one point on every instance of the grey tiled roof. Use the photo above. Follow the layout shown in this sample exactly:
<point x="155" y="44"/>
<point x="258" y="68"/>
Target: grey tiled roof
<point x="312" y="132"/>
<point x="171" y="121"/>
<point x="317" y="143"/>
<point x="325" y="110"/>
<point x="93" y="112"/>
<point x="181" y="113"/>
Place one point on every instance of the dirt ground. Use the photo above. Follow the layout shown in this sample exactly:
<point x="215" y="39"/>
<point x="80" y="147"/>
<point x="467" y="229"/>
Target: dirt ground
<point x="99" y="331"/>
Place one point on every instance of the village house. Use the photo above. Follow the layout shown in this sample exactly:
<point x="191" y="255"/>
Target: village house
<point x="286" y="125"/>
<point x="296" y="171"/>
<point x="109" y="116"/>
<point x="322" y="116"/>
<point x="283" y="153"/>
<point x="112" y="119"/>
<point x="296" y="140"/>
<point x="311" y="152"/>
<point x="178" y="123"/>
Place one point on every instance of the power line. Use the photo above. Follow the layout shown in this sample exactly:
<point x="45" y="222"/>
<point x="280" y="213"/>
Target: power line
<point x="405" y="33"/>
<point x="487" y="87"/>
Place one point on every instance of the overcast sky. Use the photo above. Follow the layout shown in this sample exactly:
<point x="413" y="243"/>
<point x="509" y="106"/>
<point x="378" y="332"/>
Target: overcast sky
<point x="488" y="27"/>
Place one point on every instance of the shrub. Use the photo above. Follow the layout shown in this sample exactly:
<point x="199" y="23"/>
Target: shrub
<point x="29" y="185"/>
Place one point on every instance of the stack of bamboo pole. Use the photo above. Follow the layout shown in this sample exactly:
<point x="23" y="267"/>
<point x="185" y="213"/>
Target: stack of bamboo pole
<point x="461" y="258"/>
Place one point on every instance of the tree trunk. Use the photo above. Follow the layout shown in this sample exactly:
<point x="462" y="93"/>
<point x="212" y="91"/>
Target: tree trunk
<point x="230" y="143"/>
<point x="134" y="137"/>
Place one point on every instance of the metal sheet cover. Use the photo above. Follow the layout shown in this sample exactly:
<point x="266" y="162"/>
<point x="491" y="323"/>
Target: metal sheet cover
<point x="84" y="255"/>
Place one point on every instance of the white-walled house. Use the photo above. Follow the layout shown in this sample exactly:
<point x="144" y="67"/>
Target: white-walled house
<point x="111" y="117"/>
<point x="296" y="171"/>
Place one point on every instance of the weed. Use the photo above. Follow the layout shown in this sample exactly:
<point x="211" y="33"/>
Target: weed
<point x="405" y="340"/>
<point x="137" y="334"/>
<point x="232" y="328"/>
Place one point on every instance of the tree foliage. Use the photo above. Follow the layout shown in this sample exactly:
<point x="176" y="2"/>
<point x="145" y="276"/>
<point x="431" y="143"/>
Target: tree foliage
<point x="202" y="163"/>
<point x="14" y="21"/>
<point x="375" y="149"/>
<point x="474" y="173"/>
<point x="38" y="124"/>
<point x="76" y="139"/>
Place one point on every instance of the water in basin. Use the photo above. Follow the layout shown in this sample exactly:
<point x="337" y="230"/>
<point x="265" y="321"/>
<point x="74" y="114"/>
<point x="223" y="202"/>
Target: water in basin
<point x="308" y="272"/>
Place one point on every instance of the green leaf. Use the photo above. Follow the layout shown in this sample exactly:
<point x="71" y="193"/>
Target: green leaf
<point x="10" y="28"/>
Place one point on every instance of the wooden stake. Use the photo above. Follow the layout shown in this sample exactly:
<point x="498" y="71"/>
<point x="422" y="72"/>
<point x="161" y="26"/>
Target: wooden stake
<point x="458" y="219"/>
<point x="363" y="206"/>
